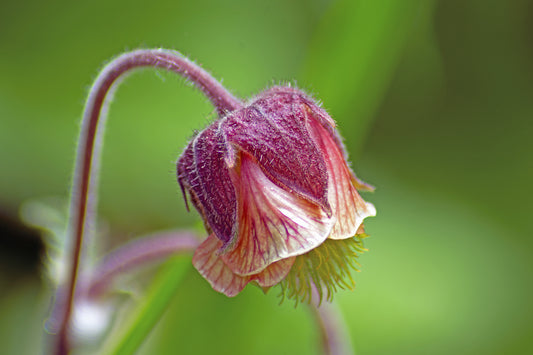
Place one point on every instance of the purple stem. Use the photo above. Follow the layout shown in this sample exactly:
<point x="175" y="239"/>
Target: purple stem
<point x="333" y="330"/>
<point x="87" y="162"/>
<point x="136" y="253"/>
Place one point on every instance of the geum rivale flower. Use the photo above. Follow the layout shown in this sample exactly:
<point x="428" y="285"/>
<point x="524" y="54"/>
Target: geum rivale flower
<point x="277" y="196"/>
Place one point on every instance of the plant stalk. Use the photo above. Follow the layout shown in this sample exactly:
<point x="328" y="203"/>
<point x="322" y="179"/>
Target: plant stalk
<point x="84" y="185"/>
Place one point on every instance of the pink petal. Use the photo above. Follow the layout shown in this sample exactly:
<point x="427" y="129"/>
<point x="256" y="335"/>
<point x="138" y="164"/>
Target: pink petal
<point x="273" y="224"/>
<point x="274" y="272"/>
<point x="347" y="205"/>
<point x="210" y="265"/>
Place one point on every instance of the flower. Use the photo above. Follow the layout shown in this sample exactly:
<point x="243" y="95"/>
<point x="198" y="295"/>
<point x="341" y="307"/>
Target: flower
<point x="277" y="197"/>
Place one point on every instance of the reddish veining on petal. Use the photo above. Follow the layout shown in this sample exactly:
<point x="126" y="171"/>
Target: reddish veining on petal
<point x="273" y="224"/>
<point x="210" y="265"/>
<point x="348" y="207"/>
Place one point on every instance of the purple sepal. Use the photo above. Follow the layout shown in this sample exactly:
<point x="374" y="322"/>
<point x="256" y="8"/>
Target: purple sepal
<point x="202" y="171"/>
<point x="273" y="129"/>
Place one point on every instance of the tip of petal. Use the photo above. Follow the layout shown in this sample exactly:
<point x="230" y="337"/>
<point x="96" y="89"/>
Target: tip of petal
<point x="370" y="210"/>
<point x="213" y="268"/>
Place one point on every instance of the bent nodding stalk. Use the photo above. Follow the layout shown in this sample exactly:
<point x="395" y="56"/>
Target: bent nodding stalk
<point x="84" y="185"/>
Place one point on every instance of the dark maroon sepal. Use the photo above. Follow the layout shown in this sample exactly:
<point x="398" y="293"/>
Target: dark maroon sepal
<point x="202" y="172"/>
<point x="273" y="129"/>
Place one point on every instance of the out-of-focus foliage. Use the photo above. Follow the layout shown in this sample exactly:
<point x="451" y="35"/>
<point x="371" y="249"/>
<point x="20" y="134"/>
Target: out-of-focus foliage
<point x="432" y="97"/>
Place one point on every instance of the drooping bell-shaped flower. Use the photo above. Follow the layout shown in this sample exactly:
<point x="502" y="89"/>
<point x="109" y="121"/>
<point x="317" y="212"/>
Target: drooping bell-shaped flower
<point x="277" y="196"/>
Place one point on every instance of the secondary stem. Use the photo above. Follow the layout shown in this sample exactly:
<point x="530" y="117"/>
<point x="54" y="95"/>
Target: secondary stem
<point x="333" y="330"/>
<point x="83" y="198"/>
<point x="136" y="253"/>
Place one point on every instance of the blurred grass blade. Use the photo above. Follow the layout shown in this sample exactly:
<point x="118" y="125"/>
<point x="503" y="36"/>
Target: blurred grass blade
<point x="353" y="55"/>
<point x="144" y="318"/>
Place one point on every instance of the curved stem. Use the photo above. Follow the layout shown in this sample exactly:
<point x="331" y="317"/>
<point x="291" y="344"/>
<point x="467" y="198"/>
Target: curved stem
<point x="333" y="329"/>
<point x="83" y="199"/>
<point x="137" y="253"/>
<point x="95" y="283"/>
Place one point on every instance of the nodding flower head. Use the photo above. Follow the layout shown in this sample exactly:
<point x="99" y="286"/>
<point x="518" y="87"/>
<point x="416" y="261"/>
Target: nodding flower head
<point x="277" y="197"/>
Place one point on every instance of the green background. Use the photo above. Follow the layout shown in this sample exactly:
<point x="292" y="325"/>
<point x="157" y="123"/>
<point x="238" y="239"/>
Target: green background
<point x="434" y="99"/>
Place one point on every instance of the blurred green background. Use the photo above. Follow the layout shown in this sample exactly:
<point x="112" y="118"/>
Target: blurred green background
<point x="434" y="99"/>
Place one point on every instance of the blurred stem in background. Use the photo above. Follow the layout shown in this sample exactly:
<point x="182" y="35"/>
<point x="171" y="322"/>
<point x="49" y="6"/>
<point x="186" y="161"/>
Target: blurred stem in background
<point x="333" y="329"/>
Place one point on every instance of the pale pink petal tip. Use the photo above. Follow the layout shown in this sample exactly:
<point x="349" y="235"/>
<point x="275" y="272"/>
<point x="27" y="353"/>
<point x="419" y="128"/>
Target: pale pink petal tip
<point x="211" y="266"/>
<point x="347" y="205"/>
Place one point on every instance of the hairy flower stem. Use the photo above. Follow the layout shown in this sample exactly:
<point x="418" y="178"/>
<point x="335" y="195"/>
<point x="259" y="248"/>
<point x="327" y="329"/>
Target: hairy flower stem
<point x="333" y="330"/>
<point x="83" y="198"/>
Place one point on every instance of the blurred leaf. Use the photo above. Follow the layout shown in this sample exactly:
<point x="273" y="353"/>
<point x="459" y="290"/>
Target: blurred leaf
<point x="143" y="319"/>
<point x="202" y="321"/>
